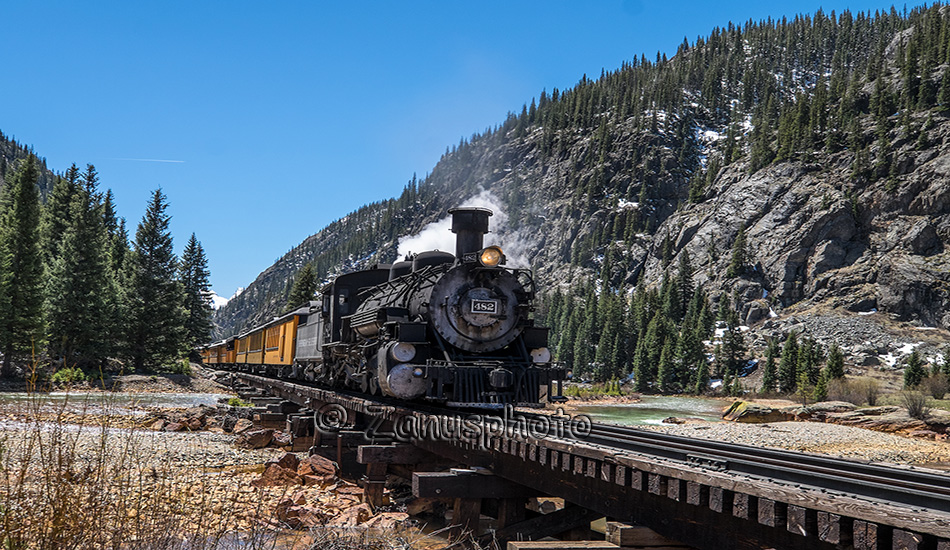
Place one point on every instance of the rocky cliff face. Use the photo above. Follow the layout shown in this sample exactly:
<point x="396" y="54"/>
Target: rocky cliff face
<point x="597" y="181"/>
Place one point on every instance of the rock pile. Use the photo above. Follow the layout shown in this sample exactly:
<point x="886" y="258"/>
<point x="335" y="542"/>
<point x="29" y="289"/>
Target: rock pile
<point x="221" y="419"/>
<point x="291" y="470"/>
<point x="319" y="497"/>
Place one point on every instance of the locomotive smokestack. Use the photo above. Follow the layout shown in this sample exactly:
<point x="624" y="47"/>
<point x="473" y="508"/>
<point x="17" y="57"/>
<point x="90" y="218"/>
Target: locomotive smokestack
<point x="469" y="223"/>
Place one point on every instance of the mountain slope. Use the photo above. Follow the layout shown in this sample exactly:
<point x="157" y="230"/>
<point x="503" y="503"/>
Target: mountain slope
<point x="823" y="137"/>
<point x="11" y="153"/>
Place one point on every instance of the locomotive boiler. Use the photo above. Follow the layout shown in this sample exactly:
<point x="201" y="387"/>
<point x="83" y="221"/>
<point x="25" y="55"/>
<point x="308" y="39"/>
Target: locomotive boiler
<point x="450" y="328"/>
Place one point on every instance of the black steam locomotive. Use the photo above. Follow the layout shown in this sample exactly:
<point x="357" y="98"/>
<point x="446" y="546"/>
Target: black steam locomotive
<point x="454" y="329"/>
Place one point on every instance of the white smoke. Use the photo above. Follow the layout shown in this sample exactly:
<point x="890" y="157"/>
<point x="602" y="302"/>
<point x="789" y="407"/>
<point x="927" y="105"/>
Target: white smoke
<point x="438" y="235"/>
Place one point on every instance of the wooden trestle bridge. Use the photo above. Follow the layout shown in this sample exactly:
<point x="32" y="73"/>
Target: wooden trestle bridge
<point x="691" y="493"/>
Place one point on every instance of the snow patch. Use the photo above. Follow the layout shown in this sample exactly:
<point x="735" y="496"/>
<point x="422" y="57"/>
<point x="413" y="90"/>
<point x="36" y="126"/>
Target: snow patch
<point x="891" y="359"/>
<point x="772" y="313"/>
<point x="218" y="302"/>
<point x="871" y="312"/>
<point x="625" y="204"/>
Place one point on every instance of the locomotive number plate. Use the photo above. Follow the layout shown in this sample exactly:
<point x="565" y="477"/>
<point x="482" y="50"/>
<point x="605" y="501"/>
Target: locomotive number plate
<point x="485" y="306"/>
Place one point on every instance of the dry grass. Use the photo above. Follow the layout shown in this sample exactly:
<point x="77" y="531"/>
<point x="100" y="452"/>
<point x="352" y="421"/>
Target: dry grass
<point x="81" y="475"/>
<point x="102" y="486"/>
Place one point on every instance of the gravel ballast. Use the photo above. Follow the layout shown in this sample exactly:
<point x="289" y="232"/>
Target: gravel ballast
<point x="814" y="437"/>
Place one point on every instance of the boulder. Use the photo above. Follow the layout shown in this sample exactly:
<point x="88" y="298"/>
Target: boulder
<point x="742" y="411"/>
<point x="387" y="520"/>
<point x="174" y="427"/>
<point x="281" y="439"/>
<point x="316" y="465"/>
<point x="275" y="476"/>
<point x="257" y="439"/>
<point x="241" y="425"/>
<point x="352" y="516"/>
<point x="289" y="461"/>
<point x="321" y="481"/>
<point x="296" y="516"/>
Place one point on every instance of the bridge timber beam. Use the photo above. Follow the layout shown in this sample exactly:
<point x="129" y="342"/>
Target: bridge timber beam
<point x="694" y="503"/>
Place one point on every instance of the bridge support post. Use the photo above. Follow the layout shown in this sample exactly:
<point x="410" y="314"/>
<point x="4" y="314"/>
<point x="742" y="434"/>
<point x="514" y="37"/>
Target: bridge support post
<point x="374" y="482"/>
<point x="465" y="517"/>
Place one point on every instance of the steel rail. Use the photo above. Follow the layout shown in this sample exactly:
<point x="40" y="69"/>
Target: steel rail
<point x="875" y="482"/>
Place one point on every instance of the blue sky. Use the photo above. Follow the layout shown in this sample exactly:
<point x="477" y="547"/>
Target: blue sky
<point x="283" y="116"/>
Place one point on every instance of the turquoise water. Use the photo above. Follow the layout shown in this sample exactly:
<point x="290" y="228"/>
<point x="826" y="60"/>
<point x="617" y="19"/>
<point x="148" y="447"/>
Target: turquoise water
<point x="653" y="409"/>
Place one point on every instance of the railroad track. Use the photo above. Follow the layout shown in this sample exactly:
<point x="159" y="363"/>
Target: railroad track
<point x="887" y="483"/>
<point x="905" y="486"/>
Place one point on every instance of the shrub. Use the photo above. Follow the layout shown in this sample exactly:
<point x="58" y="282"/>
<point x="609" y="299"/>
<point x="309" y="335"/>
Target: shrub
<point x="238" y="402"/>
<point x="181" y="367"/>
<point x="871" y="390"/>
<point x="936" y="385"/>
<point x="857" y="391"/>
<point x="68" y="375"/>
<point x="916" y="404"/>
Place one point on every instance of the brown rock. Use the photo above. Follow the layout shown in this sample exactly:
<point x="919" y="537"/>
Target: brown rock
<point x="316" y="465"/>
<point x="275" y="476"/>
<point x="281" y="439"/>
<point x="289" y="461"/>
<point x="257" y="439"/>
<point x="298" y="517"/>
<point x="353" y="516"/>
<point x="741" y="411"/>
<point x="158" y="424"/>
<point x="321" y="481"/>
<point x="194" y="424"/>
<point x="387" y="520"/>
<point x="173" y="427"/>
<point x="242" y="425"/>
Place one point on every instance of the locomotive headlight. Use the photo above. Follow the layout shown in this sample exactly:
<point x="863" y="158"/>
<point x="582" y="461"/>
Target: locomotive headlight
<point x="541" y="355"/>
<point x="417" y="372"/>
<point x="402" y="352"/>
<point x="491" y="256"/>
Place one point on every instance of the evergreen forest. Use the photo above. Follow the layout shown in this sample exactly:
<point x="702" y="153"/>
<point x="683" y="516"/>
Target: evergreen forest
<point x="609" y="172"/>
<point x="77" y="296"/>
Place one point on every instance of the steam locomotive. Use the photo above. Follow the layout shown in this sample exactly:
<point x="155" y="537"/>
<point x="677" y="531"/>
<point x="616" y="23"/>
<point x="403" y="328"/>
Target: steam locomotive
<point x="453" y="329"/>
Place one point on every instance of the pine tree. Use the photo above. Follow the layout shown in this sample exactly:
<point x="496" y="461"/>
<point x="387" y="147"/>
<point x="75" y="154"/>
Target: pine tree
<point x="81" y="301"/>
<point x="835" y="365"/>
<point x="666" y="379"/>
<point x="194" y="276"/>
<point x="788" y="366"/>
<point x="821" y="387"/>
<point x="305" y="286"/>
<point x="914" y="372"/>
<point x="701" y="381"/>
<point x="769" y="376"/>
<point x="156" y="332"/>
<point x="56" y="215"/>
<point x="733" y="346"/>
<point x="21" y="267"/>
<point x="740" y="255"/>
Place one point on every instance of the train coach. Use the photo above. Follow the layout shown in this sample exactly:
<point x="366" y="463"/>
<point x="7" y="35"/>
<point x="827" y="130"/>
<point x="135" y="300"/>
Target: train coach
<point x="450" y="328"/>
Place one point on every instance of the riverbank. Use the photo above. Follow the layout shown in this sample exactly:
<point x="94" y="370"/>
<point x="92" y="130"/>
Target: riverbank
<point x="880" y="434"/>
